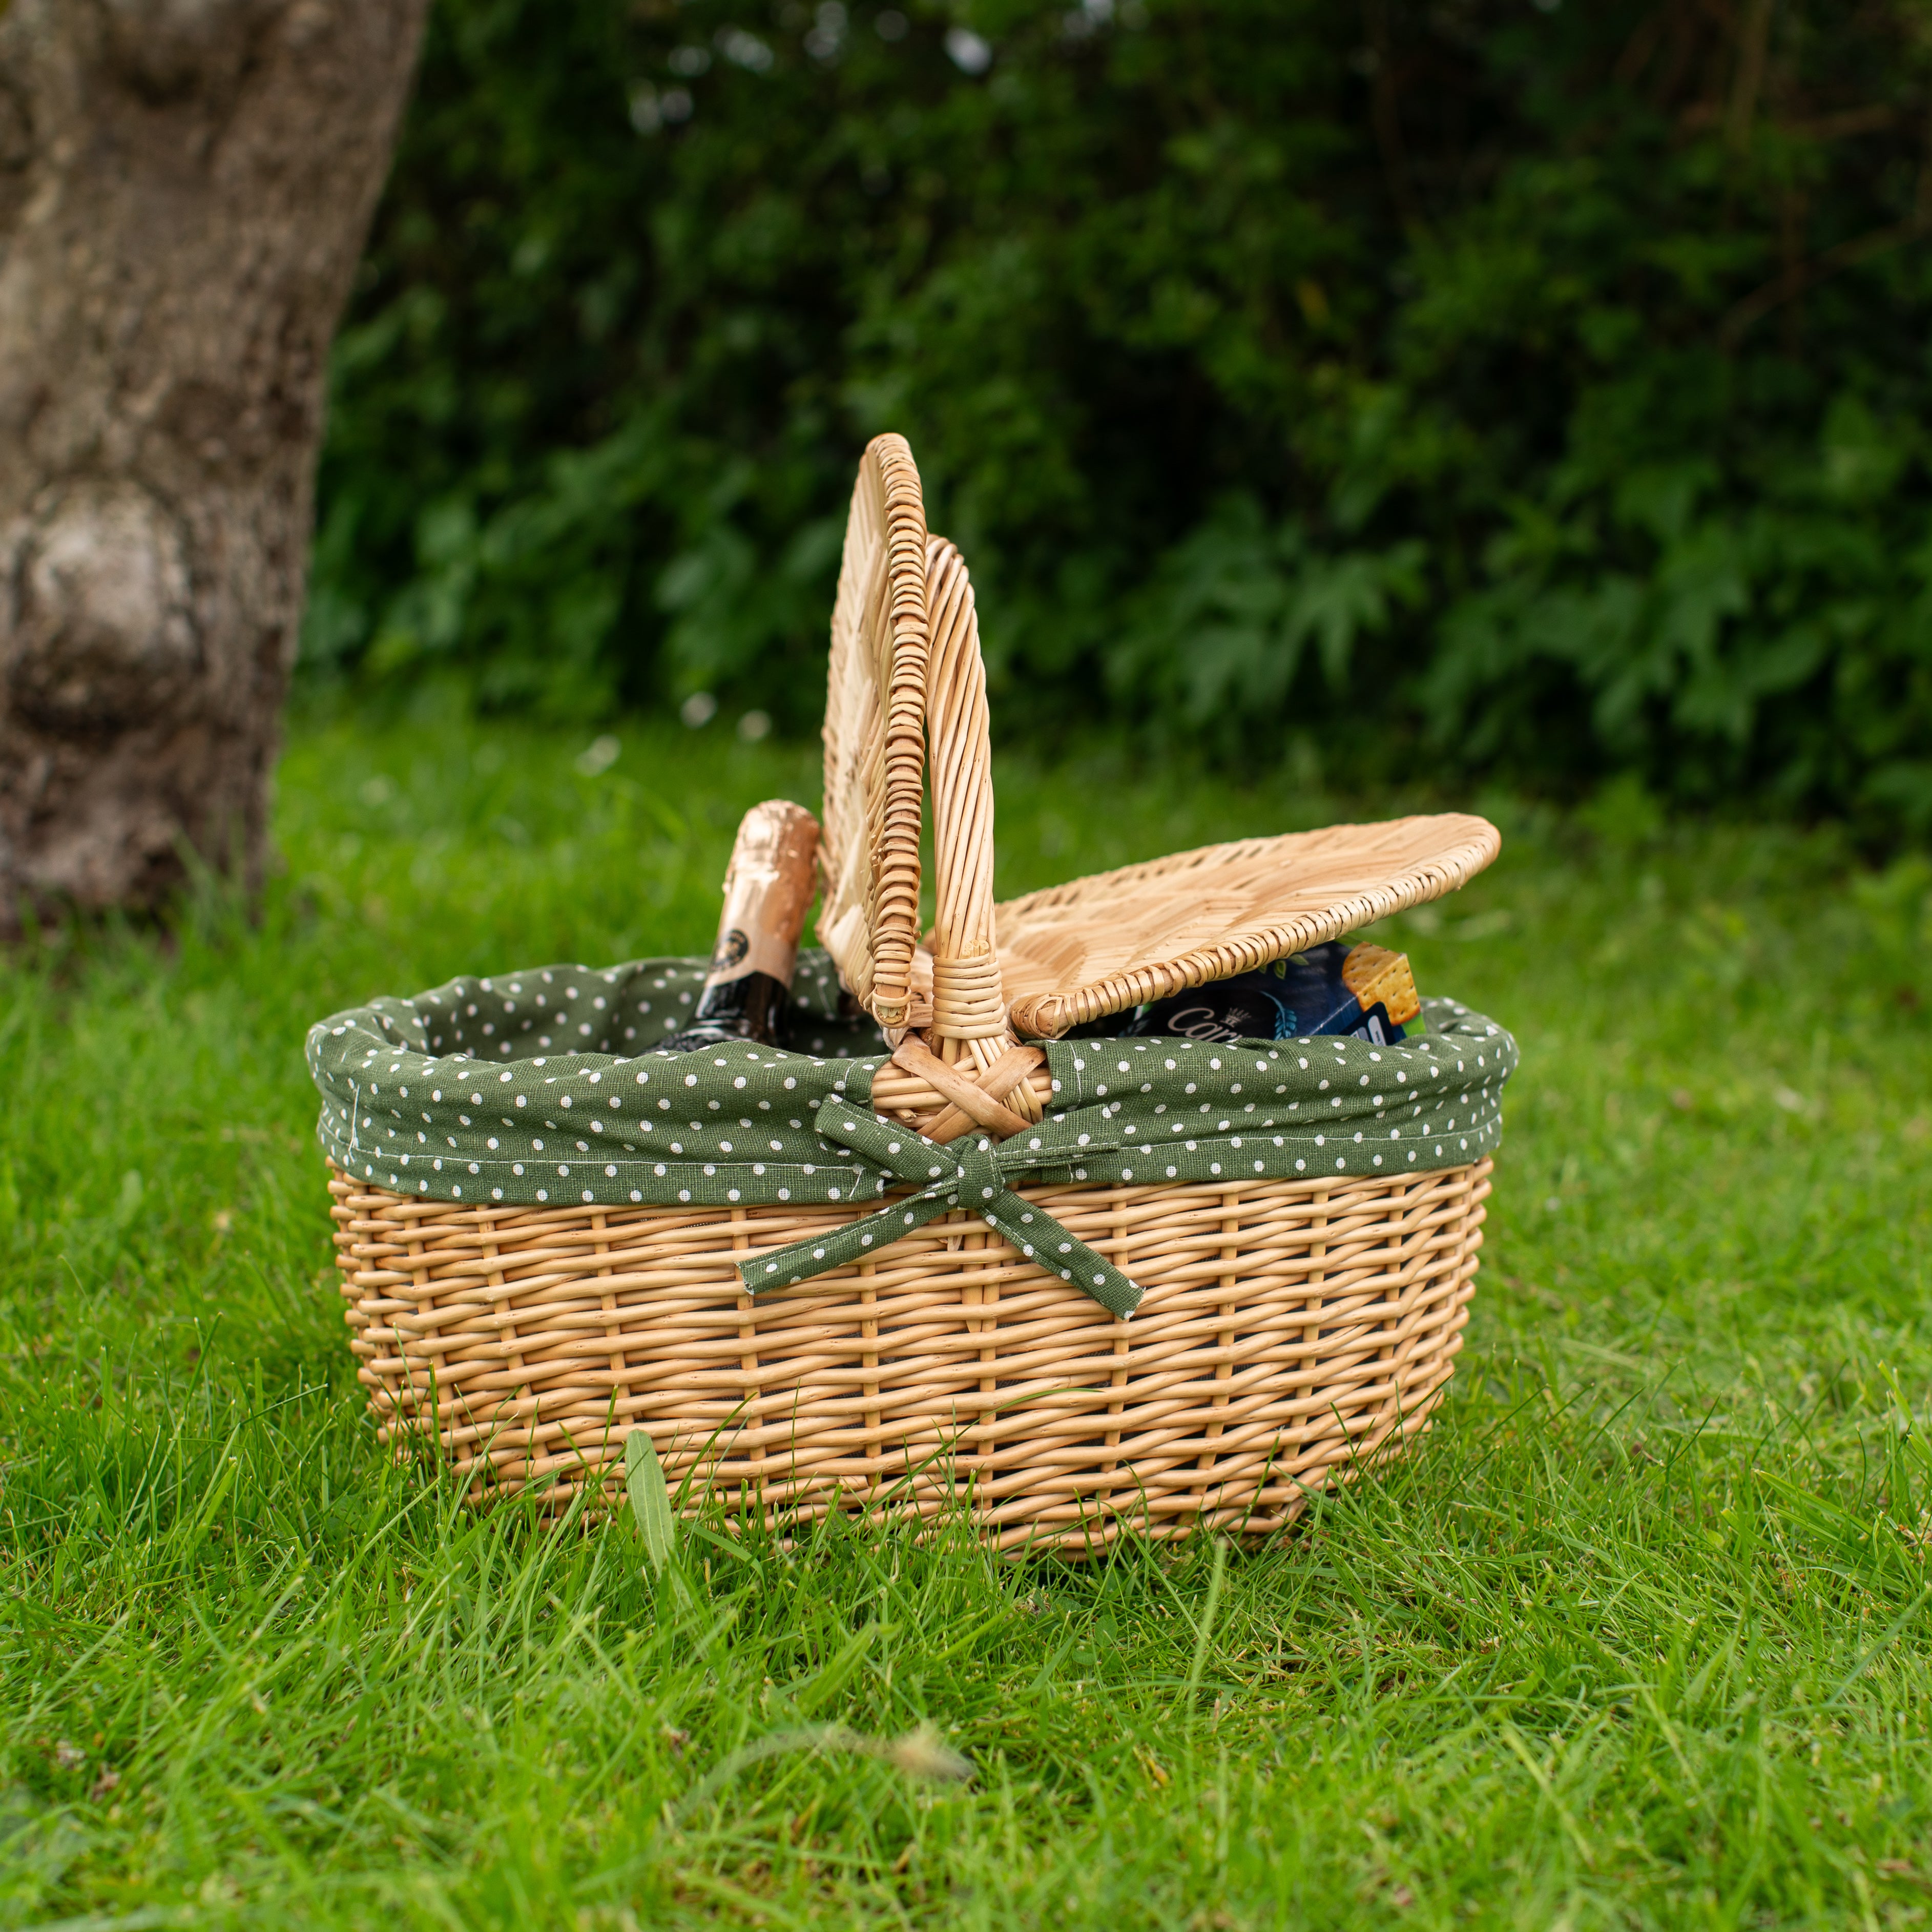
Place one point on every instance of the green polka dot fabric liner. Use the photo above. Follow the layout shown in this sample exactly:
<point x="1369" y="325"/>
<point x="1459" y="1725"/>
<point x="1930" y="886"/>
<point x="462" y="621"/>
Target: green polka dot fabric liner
<point x="1293" y="1109"/>
<point x="539" y="1088"/>
<point x="542" y="1088"/>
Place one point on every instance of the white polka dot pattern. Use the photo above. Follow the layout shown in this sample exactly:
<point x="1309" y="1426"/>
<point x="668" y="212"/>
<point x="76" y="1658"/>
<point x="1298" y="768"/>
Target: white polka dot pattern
<point x="529" y="1087"/>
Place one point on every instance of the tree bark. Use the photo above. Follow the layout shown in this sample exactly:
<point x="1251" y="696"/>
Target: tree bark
<point x="185" y="186"/>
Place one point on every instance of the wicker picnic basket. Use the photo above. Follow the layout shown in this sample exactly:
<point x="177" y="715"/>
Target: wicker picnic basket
<point x="1293" y="1329"/>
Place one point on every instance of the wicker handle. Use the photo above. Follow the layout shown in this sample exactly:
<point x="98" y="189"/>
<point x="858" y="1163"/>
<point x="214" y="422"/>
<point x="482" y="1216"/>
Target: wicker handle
<point x="898" y="877"/>
<point x="963" y="1031"/>
<point x="905" y="701"/>
<point x="969" y="1010"/>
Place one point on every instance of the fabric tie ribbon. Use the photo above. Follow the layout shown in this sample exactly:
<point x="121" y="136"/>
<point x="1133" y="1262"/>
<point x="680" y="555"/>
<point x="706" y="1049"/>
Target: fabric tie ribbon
<point x="972" y="1173"/>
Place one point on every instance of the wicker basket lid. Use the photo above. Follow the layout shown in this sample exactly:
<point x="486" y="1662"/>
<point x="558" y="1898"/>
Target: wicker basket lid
<point x="1106" y="943"/>
<point x="875" y="735"/>
<point x="905" y="697"/>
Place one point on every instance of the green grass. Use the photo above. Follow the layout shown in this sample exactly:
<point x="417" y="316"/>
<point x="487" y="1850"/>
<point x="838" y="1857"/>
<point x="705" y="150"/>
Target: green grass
<point x="1642" y="1636"/>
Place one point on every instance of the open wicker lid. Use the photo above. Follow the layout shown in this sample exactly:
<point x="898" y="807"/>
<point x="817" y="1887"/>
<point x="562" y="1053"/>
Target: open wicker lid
<point x="875" y="735"/>
<point x="1105" y="944"/>
<point x="906" y="669"/>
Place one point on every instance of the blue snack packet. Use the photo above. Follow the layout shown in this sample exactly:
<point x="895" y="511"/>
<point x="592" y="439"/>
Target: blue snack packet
<point x="1297" y="998"/>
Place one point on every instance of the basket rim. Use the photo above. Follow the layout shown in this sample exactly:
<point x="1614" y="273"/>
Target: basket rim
<point x="408" y="1097"/>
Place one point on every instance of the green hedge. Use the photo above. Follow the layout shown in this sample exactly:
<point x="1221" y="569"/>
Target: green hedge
<point x="1525" y="386"/>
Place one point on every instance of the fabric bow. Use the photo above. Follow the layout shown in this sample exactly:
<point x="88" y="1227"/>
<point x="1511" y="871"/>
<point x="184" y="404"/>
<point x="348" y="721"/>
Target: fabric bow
<point x="970" y="1172"/>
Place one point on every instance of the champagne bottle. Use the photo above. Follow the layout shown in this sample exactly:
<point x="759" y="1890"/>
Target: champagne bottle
<point x="768" y="886"/>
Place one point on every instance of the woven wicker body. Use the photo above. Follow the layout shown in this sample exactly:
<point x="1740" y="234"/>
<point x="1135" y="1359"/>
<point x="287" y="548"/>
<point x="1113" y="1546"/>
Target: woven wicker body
<point x="1293" y="1330"/>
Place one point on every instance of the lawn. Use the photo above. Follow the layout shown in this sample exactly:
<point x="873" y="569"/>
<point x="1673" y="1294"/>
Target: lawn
<point x="1643" y="1635"/>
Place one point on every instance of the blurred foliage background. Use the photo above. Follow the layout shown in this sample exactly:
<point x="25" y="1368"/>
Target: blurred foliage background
<point x="1527" y="388"/>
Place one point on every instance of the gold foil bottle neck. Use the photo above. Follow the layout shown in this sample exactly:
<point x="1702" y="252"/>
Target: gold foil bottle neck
<point x="768" y="887"/>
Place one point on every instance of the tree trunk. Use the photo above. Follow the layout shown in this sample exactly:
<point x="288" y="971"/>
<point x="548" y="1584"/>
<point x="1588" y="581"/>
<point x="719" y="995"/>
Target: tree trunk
<point x="185" y="189"/>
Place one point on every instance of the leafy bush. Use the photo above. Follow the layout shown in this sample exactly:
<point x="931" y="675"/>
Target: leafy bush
<point x="1529" y="388"/>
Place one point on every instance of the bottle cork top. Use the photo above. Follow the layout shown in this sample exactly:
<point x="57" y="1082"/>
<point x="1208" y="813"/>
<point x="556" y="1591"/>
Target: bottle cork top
<point x="768" y="887"/>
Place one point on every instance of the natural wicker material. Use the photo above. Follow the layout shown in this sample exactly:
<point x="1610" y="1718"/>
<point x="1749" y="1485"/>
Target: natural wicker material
<point x="905" y="664"/>
<point x="874" y="735"/>
<point x="1292" y="1330"/>
<point x="1106" y="943"/>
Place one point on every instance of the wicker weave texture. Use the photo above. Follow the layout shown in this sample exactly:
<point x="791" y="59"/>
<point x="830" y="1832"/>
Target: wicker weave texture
<point x="905" y="670"/>
<point x="875" y="735"/>
<point x="1104" y="943"/>
<point x="1293" y="1331"/>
